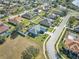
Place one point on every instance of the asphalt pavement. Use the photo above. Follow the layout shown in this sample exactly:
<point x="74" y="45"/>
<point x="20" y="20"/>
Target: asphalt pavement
<point x="50" y="46"/>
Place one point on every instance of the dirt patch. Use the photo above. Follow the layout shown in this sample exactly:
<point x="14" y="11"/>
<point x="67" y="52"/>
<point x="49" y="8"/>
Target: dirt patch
<point x="12" y="49"/>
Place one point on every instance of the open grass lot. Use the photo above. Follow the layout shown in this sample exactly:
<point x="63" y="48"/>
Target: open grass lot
<point x="12" y="48"/>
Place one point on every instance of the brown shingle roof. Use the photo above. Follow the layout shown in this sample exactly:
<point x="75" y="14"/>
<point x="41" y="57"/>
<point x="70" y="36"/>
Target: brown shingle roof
<point x="73" y="45"/>
<point x="15" y="19"/>
<point x="3" y="28"/>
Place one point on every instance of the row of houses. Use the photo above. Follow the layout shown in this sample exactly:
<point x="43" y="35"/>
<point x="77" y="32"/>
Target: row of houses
<point x="32" y="31"/>
<point x="46" y="22"/>
<point x="36" y="29"/>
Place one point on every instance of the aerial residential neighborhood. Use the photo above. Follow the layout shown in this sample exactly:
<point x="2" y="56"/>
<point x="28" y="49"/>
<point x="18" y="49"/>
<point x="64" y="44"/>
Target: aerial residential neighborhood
<point x="39" y="29"/>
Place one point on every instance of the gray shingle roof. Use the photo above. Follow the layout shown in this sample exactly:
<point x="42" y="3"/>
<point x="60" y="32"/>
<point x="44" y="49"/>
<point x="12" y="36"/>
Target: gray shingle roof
<point x="52" y="16"/>
<point x="46" y="22"/>
<point x="36" y="29"/>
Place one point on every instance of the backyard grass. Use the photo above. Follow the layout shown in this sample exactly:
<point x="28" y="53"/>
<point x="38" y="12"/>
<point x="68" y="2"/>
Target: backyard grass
<point x="51" y="29"/>
<point x="42" y="13"/>
<point x="37" y="19"/>
<point x="12" y="49"/>
<point x="11" y="26"/>
<point x="25" y="22"/>
<point x="6" y="17"/>
<point x="39" y="39"/>
<point x="17" y="10"/>
<point x="73" y="21"/>
<point x="57" y="21"/>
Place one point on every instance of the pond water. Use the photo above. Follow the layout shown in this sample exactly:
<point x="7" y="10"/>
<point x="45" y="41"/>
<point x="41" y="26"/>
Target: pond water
<point x="76" y="2"/>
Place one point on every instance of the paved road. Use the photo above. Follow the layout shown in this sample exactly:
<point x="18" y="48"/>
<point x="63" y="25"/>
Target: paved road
<point x="50" y="46"/>
<point x="54" y="36"/>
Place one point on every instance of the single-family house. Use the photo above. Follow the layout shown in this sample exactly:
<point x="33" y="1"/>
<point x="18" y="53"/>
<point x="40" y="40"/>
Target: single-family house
<point x="72" y="47"/>
<point x="36" y="30"/>
<point x="1" y="1"/>
<point x="47" y="22"/>
<point x="76" y="29"/>
<point x="27" y="16"/>
<point x="46" y="7"/>
<point x="77" y="17"/>
<point x="15" y="20"/>
<point x="5" y="2"/>
<point x="75" y="2"/>
<point x="52" y="16"/>
<point x="2" y="15"/>
<point x="62" y="8"/>
<point x="37" y="10"/>
<point x="3" y="30"/>
<point x="60" y="13"/>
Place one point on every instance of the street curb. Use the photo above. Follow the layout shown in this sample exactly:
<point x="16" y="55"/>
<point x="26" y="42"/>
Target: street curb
<point x="57" y="43"/>
<point x="44" y="48"/>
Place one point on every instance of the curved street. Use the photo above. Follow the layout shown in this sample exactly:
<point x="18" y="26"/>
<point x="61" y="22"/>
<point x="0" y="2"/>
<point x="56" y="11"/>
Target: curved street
<point x="50" y="45"/>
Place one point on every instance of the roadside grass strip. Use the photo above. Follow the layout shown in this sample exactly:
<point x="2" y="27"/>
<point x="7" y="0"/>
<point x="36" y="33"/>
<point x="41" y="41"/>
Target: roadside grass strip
<point x="44" y="48"/>
<point x="58" y="42"/>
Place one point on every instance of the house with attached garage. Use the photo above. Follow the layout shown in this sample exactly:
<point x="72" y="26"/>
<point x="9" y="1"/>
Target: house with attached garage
<point x="76" y="29"/>
<point x="28" y="15"/>
<point x="15" y="20"/>
<point x="47" y="22"/>
<point x="77" y="17"/>
<point x="37" y="10"/>
<point x="52" y="16"/>
<point x="2" y="15"/>
<point x="36" y="30"/>
<point x="4" y="29"/>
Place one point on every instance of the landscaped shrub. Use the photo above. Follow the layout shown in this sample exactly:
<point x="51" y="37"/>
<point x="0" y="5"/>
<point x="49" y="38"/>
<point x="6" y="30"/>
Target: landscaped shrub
<point x="30" y="53"/>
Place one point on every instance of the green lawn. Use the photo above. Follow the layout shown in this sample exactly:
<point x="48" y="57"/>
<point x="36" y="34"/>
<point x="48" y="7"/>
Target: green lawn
<point x="37" y="19"/>
<point x="51" y="29"/>
<point x="73" y="21"/>
<point x="42" y="13"/>
<point x="57" y="21"/>
<point x="6" y="17"/>
<point x="40" y="38"/>
<point x="18" y="10"/>
<point x="60" y="47"/>
<point x="11" y="27"/>
<point x="25" y="22"/>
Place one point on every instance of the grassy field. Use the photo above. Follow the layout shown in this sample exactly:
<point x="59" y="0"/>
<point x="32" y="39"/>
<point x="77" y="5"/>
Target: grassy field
<point x="12" y="48"/>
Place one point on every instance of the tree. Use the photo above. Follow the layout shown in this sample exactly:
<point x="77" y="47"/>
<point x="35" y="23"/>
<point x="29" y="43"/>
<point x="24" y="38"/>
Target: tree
<point x="2" y="39"/>
<point x="30" y="53"/>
